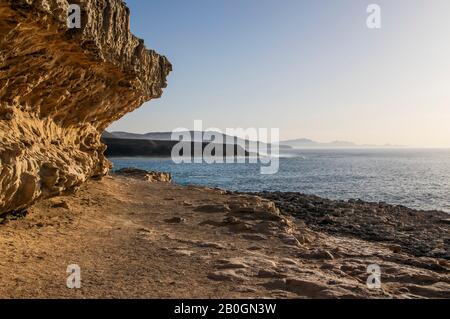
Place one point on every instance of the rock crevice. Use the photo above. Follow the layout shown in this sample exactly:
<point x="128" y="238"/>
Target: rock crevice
<point x="60" y="88"/>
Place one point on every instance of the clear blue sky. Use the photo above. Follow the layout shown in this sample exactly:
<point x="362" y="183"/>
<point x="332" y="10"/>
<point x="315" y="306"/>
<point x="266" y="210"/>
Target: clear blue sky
<point x="311" y="68"/>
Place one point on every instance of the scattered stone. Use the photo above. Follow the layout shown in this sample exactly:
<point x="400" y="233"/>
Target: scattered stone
<point x="410" y="231"/>
<point x="243" y="209"/>
<point x="144" y="230"/>
<point x="60" y="204"/>
<point x="240" y="227"/>
<point x="326" y="220"/>
<point x="210" y="245"/>
<point x="184" y="252"/>
<point x="175" y="220"/>
<point x="245" y="289"/>
<point x="234" y="263"/>
<point x="278" y="284"/>
<point x="254" y="248"/>
<point x="141" y="174"/>
<point x="437" y="290"/>
<point x="226" y="275"/>
<point x="438" y="252"/>
<point x="219" y="208"/>
<point x="211" y="223"/>
<point x="403" y="290"/>
<point x="396" y="249"/>
<point x="263" y="273"/>
<point x="256" y="237"/>
<point x="231" y="221"/>
<point x="328" y="266"/>
<point x="267" y="228"/>
<point x="307" y="288"/>
<point x="289" y="261"/>
<point x="280" y="294"/>
<point x="289" y="239"/>
<point x="317" y="254"/>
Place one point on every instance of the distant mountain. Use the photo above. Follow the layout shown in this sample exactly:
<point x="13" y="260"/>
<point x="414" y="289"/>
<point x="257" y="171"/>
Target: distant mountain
<point x="107" y="135"/>
<point x="251" y="147"/>
<point x="301" y="142"/>
<point x="307" y="143"/>
<point x="163" y="136"/>
<point x="167" y="136"/>
<point x="122" y="147"/>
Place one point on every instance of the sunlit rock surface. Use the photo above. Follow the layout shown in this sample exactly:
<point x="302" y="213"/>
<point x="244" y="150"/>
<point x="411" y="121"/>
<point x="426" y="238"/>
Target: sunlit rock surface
<point x="60" y="88"/>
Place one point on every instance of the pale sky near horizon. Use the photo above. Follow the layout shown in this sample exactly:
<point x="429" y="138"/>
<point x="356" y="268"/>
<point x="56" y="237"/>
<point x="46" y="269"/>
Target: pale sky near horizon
<point x="311" y="68"/>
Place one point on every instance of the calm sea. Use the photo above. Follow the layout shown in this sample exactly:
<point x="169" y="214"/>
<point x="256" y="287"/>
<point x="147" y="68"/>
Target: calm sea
<point x="413" y="178"/>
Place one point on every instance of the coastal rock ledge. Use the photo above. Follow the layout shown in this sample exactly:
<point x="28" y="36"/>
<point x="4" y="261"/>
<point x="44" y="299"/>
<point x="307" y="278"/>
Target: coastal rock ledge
<point x="60" y="88"/>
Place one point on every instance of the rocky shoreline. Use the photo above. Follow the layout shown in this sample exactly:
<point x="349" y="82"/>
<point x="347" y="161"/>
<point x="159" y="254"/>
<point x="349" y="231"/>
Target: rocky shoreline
<point x="139" y="236"/>
<point x="417" y="233"/>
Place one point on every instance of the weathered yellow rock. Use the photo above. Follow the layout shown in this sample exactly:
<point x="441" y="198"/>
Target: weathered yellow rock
<point x="60" y="88"/>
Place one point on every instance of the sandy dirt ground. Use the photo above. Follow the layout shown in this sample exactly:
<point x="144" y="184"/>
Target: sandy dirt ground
<point x="135" y="239"/>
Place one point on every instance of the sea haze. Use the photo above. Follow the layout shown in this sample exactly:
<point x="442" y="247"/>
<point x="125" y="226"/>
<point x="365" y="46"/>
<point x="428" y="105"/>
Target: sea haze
<point x="416" y="178"/>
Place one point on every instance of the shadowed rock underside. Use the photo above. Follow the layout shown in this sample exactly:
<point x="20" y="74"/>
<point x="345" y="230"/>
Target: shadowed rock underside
<point x="60" y="88"/>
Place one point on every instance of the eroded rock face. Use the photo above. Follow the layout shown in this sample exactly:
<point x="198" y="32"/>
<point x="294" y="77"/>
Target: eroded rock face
<point x="60" y="88"/>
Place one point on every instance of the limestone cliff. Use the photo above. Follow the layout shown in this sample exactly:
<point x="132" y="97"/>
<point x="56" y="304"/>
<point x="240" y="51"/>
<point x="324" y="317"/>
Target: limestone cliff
<point x="60" y="88"/>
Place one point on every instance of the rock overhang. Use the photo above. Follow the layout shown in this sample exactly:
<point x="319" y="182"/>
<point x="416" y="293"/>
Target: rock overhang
<point x="60" y="88"/>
